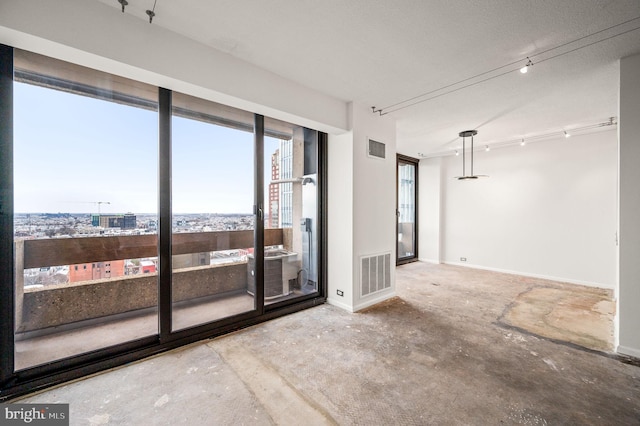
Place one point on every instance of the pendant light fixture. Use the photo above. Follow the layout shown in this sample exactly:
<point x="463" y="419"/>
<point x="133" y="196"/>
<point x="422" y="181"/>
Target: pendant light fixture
<point x="465" y="134"/>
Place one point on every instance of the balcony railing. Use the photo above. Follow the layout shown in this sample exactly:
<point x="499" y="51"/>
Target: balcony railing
<point x="68" y="303"/>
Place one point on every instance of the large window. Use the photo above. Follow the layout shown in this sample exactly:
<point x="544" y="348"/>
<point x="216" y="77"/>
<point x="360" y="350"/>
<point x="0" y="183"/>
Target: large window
<point x="141" y="219"/>
<point x="85" y="183"/>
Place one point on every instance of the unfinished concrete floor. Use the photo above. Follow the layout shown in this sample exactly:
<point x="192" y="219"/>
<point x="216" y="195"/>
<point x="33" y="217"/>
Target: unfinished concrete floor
<point x="442" y="352"/>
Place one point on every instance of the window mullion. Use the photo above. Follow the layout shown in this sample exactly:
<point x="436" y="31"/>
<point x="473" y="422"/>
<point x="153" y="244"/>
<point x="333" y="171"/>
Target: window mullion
<point x="7" y="295"/>
<point x="259" y="211"/>
<point x="165" y="215"/>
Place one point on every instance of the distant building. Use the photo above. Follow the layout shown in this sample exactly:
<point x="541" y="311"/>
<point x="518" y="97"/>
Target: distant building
<point x="122" y="221"/>
<point x="286" y="189"/>
<point x="129" y="220"/>
<point x="96" y="270"/>
<point x="274" y="191"/>
<point x="147" y="266"/>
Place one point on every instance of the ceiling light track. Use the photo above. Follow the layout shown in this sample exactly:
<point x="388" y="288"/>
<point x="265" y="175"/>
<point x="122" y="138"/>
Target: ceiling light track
<point x="612" y="121"/>
<point x="529" y="62"/>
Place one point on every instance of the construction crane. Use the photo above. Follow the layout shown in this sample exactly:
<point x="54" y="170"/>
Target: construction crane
<point x="98" y="203"/>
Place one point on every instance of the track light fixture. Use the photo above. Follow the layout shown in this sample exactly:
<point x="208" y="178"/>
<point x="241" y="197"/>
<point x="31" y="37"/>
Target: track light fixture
<point x="486" y="148"/>
<point x="152" y="12"/>
<point x="524" y="69"/>
<point x="457" y="153"/>
<point x="566" y="134"/>
<point x="522" y="142"/>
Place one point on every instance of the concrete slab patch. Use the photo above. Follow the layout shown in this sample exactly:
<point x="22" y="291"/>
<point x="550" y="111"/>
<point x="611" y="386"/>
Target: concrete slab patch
<point x="576" y="315"/>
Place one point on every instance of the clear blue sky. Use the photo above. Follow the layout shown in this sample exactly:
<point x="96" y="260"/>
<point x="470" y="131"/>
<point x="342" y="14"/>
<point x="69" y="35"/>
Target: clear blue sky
<point x="71" y="151"/>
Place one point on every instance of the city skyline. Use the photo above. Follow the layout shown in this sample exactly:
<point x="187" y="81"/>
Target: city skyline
<point x="71" y="152"/>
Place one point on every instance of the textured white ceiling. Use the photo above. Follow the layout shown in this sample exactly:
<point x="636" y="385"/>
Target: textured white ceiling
<point x="384" y="52"/>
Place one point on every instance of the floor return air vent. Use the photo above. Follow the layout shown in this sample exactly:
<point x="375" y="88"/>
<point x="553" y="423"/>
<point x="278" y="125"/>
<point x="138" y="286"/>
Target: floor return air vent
<point x="375" y="273"/>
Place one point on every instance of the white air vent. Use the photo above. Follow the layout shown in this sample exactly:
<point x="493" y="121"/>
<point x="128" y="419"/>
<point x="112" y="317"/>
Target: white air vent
<point x="375" y="273"/>
<point x="376" y="149"/>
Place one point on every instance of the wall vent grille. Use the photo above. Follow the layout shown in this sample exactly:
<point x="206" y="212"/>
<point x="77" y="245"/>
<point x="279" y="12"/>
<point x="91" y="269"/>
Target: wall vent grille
<point x="375" y="273"/>
<point x="376" y="149"/>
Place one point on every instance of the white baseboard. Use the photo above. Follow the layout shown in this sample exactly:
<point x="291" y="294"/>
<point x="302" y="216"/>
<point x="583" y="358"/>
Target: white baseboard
<point x="381" y="297"/>
<point x="625" y="350"/>
<point x="377" y="299"/>
<point x="423" y="259"/>
<point x="340" y="304"/>
<point x="527" y="274"/>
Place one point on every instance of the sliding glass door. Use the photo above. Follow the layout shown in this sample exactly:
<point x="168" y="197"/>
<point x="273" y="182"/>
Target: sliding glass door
<point x="291" y="223"/>
<point x="407" y="209"/>
<point x="135" y="219"/>
<point x="213" y="220"/>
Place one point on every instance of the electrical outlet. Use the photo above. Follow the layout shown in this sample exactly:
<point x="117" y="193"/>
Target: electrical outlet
<point x="463" y="259"/>
<point x="340" y="292"/>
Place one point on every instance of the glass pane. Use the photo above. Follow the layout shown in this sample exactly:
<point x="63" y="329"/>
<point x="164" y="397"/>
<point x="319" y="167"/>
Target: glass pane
<point x="406" y="210"/>
<point x="213" y="220"/>
<point x="291" y="222"/>
<point x="85" y="170"/>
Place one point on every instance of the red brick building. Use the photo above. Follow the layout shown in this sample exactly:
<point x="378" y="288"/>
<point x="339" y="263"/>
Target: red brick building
<point x="96" y="270"/>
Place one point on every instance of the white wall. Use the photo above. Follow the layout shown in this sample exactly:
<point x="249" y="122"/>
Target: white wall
<point x="98" y="36"/>
<point x="374" y="196"/>
<point x="548" y="209"/>
<point x="340" y="219"/>
<point x="429" y="192"/>
<point x="361" y="206"/>
<point x="629" y="189"/>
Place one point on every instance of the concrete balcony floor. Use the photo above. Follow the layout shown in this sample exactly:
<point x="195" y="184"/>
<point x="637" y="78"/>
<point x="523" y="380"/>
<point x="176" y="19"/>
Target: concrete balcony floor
<point x="38" y="348"/>
<point x="456" y="346"/>
<point x="35" y="349"/>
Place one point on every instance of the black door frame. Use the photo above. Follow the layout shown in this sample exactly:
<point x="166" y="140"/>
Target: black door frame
<point x="404" y="159"/>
